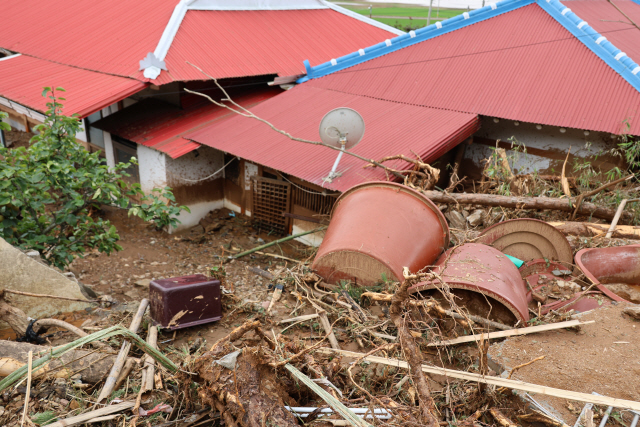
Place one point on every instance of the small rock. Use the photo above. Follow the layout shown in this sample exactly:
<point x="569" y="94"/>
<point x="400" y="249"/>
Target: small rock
<point x="456" y="220"/>
<point x="625" y="291"/>
<point x="633" y="312"/>
<point x="132" y="294"/>
<point x="155" y="263"/>
<point x="144" y="283"/>
<point x="103" y="282"/>
<point x="1" y="410"/>
<point x="76" y="377"/>
<point x="63" y="402"/>
<point x="476" y="218"/>
<point x="33" y="254"/>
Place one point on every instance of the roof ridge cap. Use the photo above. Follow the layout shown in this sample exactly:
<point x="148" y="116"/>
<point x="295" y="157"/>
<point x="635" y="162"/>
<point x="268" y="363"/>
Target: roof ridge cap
<point x="412" y="37"/>
<point x="594" y="41"/>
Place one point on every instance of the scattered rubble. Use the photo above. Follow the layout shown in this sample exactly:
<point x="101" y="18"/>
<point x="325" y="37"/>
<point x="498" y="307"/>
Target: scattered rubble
<point x="473" y="341"/>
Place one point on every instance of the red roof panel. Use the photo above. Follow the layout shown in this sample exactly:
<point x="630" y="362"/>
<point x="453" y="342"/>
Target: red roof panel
<point x="108" y="36"/>
<point x="113" y="36"/>
<point x="22" y="79"/>
<point x="161" y="125"/>
<point x="260" y="42"/>
<point x="522" y="65"/>
<point x="391" y="128"/>
<point x="603" y="17"/>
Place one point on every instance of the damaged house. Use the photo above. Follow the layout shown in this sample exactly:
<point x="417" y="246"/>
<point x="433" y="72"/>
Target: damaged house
<point x="126" y="68"/>
<point x="533" y="70"/>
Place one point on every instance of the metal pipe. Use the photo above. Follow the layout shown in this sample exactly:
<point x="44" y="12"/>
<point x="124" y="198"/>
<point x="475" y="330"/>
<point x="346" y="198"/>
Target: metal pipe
<point x="332" y="174"/>
<point x="605" y="417"/>
<point x="636" y="417"/>
<point x="3" y="141"/>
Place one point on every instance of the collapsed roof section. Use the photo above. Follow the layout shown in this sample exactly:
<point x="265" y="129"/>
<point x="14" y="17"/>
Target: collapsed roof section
<point x="22" y="79"/>
<point x="392" y="128"/>
<point x="524" y="60"/>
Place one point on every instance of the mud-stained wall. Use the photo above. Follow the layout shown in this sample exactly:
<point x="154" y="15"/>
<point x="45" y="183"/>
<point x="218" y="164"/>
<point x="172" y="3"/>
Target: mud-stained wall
<point x="546" y="148"/>
<point x="196" y="184"/>
<point x="151" y="166"/>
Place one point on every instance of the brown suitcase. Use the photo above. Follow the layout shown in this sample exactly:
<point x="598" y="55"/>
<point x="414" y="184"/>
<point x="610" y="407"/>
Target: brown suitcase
<point x="180" y="302"/>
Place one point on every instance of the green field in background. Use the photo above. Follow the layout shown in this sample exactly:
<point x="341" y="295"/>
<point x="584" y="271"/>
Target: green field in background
<point x="402" y="11"/>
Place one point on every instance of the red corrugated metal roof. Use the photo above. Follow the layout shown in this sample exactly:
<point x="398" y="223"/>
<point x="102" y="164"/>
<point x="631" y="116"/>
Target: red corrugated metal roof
<point x="161" y="125"/>
<point x="113" y="36"/>
<point x="22" y="79"/>
<point x="522" y="65"/>
<point x="391" y="128"/>
<point x="603" y="17"/>
<point x="259" y="42"/>
<point x="108" y="36"/>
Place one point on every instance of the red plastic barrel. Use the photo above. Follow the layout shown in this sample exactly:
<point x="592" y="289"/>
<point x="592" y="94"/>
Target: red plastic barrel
<point x="378" y="228"/>
<point x="484" y="270"/>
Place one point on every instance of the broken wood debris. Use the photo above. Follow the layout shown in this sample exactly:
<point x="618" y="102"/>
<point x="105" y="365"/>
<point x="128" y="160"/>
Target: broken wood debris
<point x="498" y="381"/>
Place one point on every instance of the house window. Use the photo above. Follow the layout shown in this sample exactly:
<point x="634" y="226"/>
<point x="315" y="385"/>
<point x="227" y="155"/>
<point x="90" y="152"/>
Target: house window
<point x="123" y="152"/>
<point x="94" y="135"/>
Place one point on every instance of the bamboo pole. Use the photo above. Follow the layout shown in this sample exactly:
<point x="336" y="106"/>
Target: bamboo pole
<point x="511" y="333"/>
<point x="28" y="393"/>
<point x="110" y="382"/>
<point x="324" y="321"/>
<point x="149" y="363"/>
<point x="275" y="242"/>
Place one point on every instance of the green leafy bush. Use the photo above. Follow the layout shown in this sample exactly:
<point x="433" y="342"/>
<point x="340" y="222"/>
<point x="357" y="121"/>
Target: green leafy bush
<point x="50" y="192"/>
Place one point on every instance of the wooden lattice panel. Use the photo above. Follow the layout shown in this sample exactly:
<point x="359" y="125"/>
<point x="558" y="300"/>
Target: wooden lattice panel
<point x="271" y="198"/>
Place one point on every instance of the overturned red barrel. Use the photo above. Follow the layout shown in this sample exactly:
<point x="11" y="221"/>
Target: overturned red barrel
<point x="484" y="281"/>
<point x="378" y="228"/>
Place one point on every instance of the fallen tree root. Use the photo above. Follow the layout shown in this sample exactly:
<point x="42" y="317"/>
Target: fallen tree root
<point x="249" y="395"/>
<point x="501" y="418"/>
<point x="413" y="355"/>
<point x="19" y="322"/>
<point x="587" y="209"/>
<point x="541" y="418"/>
<point x="433" y="306"/>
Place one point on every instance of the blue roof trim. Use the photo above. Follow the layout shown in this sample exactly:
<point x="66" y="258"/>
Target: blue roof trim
<point x="412" y="37"/>
<point x="636" y="1"/>
<point x="598" y="44"/>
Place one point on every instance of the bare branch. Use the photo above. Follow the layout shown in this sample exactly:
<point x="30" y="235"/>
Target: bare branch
<point x="248" y="114"/>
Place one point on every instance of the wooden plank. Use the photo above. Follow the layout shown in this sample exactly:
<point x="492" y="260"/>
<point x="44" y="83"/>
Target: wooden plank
<point x="498" y="381"/>
<point x="511" y="332"/>
<point x="79" y="419"/>
<point x="300" y="318"/>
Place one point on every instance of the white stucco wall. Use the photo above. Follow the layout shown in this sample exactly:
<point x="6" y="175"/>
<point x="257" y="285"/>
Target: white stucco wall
<point x="548" y="138"/>
<point x="151" y="165"/>
<point x="108" y="150"/>
<point x="108" y="145"/>
<point x="194" y="171"/>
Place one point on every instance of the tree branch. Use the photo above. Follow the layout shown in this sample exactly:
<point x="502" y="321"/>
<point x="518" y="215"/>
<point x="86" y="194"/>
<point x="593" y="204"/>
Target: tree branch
<point x="248" y="114"/>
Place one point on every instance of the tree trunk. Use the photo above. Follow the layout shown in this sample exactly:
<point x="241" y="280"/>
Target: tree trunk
<point x="587" y="209"/>
<point x="93" y="366"/>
